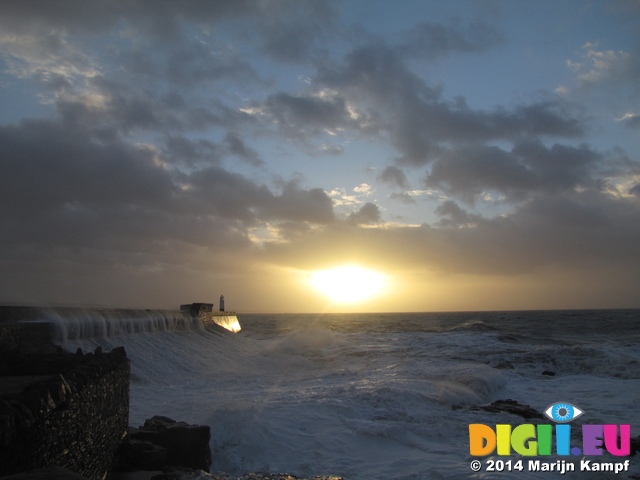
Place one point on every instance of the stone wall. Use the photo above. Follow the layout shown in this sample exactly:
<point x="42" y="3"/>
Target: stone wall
<point x="24" y="336"/>
<point x="62" y="409"/>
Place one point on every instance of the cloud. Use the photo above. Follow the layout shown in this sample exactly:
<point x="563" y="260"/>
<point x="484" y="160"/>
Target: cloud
<point x="164" y="19"/>
<point x="291" y="32"/>
<point x="528" y="169"/>
<point x="572" y="232"/>
<point x="402" y="197"/>
<point x="369" y="214"/>
<point x="394" y="176"/>
<point x="433" y="40"/>
<point x="153" y="112"/>
<point x="188" y="64"/>
<point x="236" y="146"/>
<point x="599" y="67"/>
<point x="605" y="77"/>
<point x="304" y="117"/>
<point x="419" y="122"/>
<point x="65" y="187"/>
<point x="630" y="120"/>
<point x="181" y="150"/>
<point x="456" y="216"/>
<point x="299" y="205"/>
<point x="46" y="166"/>
<point x="340" y="197"/>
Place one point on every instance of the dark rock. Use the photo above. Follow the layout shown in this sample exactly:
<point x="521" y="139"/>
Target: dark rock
<point x="187" y="445"/>
<point x="64" y="410"/>
<point x="168" y="476"/>
<point x="143" y="455"/>
<point x="504" y="366"/>
<point x="549" y="373"/>
<point x="181" y="473"/>
<point x="47" y="473"/>
<point x="283" y="476"/>
<point x="510" y="406"/>
<point x="635" y="445"/>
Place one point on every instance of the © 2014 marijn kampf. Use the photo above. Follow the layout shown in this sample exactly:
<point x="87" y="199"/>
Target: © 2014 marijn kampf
<point x="542" y="440"/>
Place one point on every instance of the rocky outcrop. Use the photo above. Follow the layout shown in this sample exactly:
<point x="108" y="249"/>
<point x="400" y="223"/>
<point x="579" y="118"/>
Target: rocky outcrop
<point x="246" y="476"/>
<point x="162" y="443"/>
<point x="635" y="445"/>
<point x="508" y="406"/>
<point x="268" y="476"/>
<point x="27" y="337"/>
<point x="46" y="473"/>
<point x="181" y="451"/>
<point x="63" y="409"/>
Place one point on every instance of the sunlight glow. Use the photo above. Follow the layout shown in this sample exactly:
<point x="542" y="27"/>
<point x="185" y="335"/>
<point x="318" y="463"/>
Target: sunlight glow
<point x="347" y="284"/>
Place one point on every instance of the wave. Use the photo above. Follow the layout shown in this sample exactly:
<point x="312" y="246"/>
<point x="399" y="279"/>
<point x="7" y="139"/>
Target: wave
<point x="473" y="326"/>
<point x="78" y="323"/>
<point x="315" y="396"/>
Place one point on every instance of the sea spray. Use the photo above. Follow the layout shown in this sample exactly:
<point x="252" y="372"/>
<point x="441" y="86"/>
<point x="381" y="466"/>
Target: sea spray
<point x="371" y="396"/>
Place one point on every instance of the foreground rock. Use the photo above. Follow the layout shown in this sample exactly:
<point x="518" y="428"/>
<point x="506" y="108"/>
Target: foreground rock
<point x="57" y="473"/>
<point x="46" y="473"/>
<point x="162" y="443"/>
<point x="62" y="410"/>
<point x="246" y="476"/>
<point x="180" y="451"/>
<point x="635" y="445"/>
<point x="283" y="476"/>
<point x="508" y="406"/>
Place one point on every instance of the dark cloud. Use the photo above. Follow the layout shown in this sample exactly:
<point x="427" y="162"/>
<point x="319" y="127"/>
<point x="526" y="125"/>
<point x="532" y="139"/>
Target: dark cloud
<point x="368" y="214"/>
<point x="63" y="187"/>
<point x="376" y="72"/>
<point x="454" y="216"/>
<point x="419" y="121"/>
<point x="301" y="116"/>
<point x="182" y="150"/>
<point x="236" y="146"/>
<point x="162" y="20"/>
<point x="122" y="109"/>
<point x="299" y="205"/>
<point x="529" y="168"/>
<point x="155" y="107"/>
<point x="46" y="167"/>
<point x="188" y="65"/>
<point x="433" y="40"/>
<point x="579" y="232"/>
<point x="394" y="176"/>
<point x="403" y="197"/>
<point x="292" y="31"/>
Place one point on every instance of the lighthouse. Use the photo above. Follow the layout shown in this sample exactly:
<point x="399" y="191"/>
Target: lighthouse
<point x="222" y="303"/>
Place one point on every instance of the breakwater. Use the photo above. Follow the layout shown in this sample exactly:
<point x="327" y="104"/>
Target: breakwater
<point x="71" y="410"/>
<point x="62" y="409"/>
<point x="26" y="327"/>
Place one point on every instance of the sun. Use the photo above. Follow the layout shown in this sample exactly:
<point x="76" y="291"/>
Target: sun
<point x="347" y="284"/>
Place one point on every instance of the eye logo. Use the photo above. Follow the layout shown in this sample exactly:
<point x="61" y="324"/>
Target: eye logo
<point x="563" y="412"/>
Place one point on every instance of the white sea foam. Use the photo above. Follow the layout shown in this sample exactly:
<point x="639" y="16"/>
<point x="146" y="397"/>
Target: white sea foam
<point x="367" y="400"/>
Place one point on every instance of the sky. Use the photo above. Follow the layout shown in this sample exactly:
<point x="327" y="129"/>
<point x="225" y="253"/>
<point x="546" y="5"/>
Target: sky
<point x="480" y="155"/>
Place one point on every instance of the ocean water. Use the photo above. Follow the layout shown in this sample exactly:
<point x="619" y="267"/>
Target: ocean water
<point x="375" y="396"/>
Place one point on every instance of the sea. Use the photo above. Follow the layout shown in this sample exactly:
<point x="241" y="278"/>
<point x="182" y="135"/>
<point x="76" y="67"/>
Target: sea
<point x="386" y="396"/>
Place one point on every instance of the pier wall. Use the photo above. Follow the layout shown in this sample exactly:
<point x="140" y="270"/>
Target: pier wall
<point x="228" y="322"/>
<point x="63" y="409"/>
<point x="24" y="336"/>
<point x="60" y="409"/>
